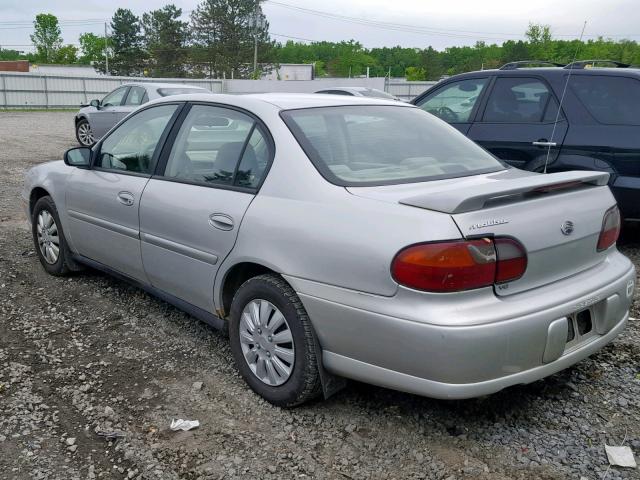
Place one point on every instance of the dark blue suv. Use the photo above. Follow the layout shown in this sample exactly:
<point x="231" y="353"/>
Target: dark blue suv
<point x="512" y="113"/>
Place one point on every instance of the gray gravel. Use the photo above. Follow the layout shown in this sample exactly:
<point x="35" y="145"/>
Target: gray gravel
<point x="92" y="371"/>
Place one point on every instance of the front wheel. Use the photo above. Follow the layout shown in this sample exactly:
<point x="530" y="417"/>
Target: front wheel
<point x="84" y="134"/>
<point x="48" y="237"/>
<point x="273" y="342"/>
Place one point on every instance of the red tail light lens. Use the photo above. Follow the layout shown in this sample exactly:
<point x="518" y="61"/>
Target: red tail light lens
<point x="458" y="265"/>
<point x="512" y="259"/>
<point x="610" y="229"/>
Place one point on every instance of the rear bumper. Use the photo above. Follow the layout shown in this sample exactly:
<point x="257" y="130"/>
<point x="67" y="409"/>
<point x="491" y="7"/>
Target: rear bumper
<point x="469" y="344"/>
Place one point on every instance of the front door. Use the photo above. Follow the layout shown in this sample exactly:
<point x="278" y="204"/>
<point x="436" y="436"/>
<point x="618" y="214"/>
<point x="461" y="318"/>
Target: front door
<point x="191" y="212"/>
<point x="517" y="124"/>
<point x="103" y="201"/>
<point x="106" y="116"/>
<point x="455" y="102"/>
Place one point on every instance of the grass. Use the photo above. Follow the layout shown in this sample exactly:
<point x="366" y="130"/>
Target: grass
<point x="7" y="110"/>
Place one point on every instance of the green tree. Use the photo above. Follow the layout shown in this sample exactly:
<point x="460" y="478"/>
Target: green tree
<point x="415" y="74"/>
<point x="126" y="43"/>
<point x="92" y="47"/>
<point x="540" y="41"/>
<point x="46" y="36"/>
<point x="66" y="55"/>
<point x="165" y="40"/>
<point x="223" y="37"/>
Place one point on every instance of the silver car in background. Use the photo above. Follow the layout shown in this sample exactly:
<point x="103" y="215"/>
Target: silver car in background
<point x="342" y="237"/>
<point x="97" y="118"/>
<point x="359" y="92"/>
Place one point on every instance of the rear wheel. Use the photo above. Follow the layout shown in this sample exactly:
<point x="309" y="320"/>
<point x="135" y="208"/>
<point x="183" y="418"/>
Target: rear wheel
<point x="48" y="237"/>
<point x="273" y="342"/>
<point x="84" y="134"/>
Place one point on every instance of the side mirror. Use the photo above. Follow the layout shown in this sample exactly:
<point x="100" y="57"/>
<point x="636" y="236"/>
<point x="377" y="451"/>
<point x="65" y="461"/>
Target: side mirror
<point x="95" y="103"/>
<point x="78" y="157"/>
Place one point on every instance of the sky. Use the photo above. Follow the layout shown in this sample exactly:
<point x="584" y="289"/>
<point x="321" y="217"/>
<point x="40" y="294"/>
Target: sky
<point x="416" y="23"/>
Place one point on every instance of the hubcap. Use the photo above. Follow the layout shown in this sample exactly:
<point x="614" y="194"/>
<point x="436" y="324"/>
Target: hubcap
<point x="48" y="239"/>
<point x="85" y="134"/>
<point x="266" y="341"/>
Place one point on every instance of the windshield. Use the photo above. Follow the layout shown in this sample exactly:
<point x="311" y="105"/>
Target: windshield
<point x="381" y="145"/>
<point x="166" y="92"/>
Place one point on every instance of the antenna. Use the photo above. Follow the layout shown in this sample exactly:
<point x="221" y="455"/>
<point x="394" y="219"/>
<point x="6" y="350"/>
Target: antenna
<point x="564" y="91"/>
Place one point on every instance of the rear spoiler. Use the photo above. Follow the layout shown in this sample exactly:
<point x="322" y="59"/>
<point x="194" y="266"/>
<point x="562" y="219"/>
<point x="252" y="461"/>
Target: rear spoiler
<point x="470" y="198"/>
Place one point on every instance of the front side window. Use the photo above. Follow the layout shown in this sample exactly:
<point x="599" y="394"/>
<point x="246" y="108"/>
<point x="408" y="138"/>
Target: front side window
<point x="114" y="98"/>
<point x="219" y="146"/>
<point x="131" y="146"/>
<point x="136" y="96"/>
<point x="382" y="145"/>
<point x="610" y="100"/>
<point x="455" y="102"/>
<point x="520" y="100"/>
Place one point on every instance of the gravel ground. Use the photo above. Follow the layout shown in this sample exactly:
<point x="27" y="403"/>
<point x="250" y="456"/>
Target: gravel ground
<point x="87" y="354"/>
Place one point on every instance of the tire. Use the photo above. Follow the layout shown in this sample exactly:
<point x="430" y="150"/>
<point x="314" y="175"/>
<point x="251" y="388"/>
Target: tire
<point x="84" y="134"/>
<point x="302" y="384"/>
<point x="54" y="257"/>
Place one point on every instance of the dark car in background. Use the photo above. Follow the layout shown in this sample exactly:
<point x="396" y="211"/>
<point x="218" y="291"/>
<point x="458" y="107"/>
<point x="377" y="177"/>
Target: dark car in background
<point x="512" y="113"/>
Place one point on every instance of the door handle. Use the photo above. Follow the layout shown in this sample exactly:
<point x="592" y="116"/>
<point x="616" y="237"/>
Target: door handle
<point x="125" y="198"/>
<point x="544" y="143"/>
<point x="221" y="221"/>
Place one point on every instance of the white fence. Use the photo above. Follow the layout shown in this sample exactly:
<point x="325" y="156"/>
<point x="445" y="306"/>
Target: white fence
<point x="25" y="90"/>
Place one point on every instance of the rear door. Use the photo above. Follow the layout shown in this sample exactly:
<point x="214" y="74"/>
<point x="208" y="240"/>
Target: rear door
<point x="608" y="134"/>
<point x="456" y="102"/>
<point x="192" y="208"/>
<point x="135" y="97"/>
<point x="103" y="119"/>
<point x="518" y="122"/>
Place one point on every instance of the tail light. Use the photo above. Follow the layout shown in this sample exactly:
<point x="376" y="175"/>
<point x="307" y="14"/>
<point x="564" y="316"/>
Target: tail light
<point x="457" y="265"/>
<point x="610" y="228"/>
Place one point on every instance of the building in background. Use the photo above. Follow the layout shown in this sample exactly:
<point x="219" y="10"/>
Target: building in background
<point x="14" y="66"/>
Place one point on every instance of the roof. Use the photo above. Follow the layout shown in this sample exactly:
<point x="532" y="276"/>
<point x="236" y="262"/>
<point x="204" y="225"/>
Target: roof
<point x="552" y="72"/>
<point x="163" y="85"/>
<point x="283" y="101"/>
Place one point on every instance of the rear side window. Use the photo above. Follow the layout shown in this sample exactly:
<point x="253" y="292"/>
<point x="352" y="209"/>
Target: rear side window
<point x="219" y="146"/>
<point x="520" y="100"/>
<point x="384" y="145"/>
<point x="454" y="102"/>
<point x="610" y="100"/>
<point x="136" y="96"/>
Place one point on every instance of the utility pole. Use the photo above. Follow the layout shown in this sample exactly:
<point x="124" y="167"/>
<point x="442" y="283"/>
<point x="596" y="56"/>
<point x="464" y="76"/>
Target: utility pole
<point x="255" y="40"/>
<point x="106" y="50"/>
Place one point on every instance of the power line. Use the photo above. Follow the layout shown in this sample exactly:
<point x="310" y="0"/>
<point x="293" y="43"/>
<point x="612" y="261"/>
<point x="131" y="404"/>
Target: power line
<point x="421" y="29"/>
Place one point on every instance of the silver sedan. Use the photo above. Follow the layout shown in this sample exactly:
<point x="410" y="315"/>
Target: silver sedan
<point x="97" y="118"/>
<point x="342" y="237"/>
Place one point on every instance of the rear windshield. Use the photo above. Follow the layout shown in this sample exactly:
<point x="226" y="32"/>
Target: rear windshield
<point x="360" y="145"/>
<point x="166" y="92"/>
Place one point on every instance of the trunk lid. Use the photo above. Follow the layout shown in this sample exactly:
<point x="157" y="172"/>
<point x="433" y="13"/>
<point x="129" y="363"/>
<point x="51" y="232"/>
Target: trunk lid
<point x="557" y="217"/>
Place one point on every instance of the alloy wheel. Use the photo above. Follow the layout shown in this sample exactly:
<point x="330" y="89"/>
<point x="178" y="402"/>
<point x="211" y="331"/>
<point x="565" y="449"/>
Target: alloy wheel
<point x="266" y="342"/>
<point x="48" y="239"/>
<point x="85" y="135"/>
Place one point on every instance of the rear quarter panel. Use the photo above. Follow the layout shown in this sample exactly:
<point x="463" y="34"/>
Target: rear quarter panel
<point x="302" y="226"/>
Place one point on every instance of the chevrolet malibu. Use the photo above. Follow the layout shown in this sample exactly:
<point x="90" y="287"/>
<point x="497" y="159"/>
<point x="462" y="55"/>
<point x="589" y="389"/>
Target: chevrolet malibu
<point x="342" y="237"/>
